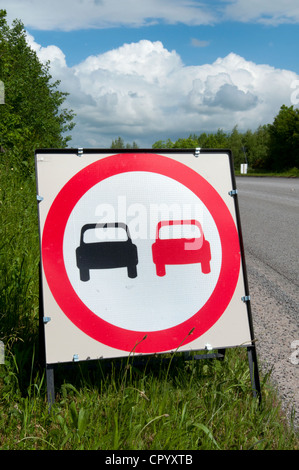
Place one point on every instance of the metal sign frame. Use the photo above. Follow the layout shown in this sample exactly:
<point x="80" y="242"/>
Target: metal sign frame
<point x="233" y="193"/>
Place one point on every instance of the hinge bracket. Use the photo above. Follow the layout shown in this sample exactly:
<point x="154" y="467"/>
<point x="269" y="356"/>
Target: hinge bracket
<point x="233" y="192"/>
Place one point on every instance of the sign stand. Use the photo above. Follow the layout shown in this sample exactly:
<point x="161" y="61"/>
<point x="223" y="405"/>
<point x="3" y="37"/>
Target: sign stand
<point x="50" y="384"/>
<point x="49" y="368"/>
<point x="199" y="282"/>
<point x="220" y="355"/>
<point x="254" y="372"/>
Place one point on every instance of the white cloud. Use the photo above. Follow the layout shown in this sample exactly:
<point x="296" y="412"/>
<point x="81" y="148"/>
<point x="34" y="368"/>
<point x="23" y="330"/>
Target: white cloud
<point x="143" y="92"/>
<point x="199" y="42"/>
<point x="272" y="12"/>
<point x="45" y="54"/>
<point x="70" y="15"/>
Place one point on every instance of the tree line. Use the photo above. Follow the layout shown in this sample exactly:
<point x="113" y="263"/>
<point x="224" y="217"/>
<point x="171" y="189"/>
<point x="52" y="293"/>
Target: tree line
<point x="272" y="147"/>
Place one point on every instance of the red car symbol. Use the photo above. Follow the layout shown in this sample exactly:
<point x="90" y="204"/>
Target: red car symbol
<point x="181" y="250"/>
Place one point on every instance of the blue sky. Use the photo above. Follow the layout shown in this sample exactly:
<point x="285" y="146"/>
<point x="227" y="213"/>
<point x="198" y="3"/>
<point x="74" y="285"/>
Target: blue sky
<point x="155" y="69"/>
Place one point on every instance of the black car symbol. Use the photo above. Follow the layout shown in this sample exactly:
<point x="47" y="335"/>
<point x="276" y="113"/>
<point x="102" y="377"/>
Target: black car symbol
<point x="106" y="254"/>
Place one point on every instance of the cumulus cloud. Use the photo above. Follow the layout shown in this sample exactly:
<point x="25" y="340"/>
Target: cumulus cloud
<point x="45" y="54"/>
<point x="143" y="92"/>
<point x="232" y="98"/>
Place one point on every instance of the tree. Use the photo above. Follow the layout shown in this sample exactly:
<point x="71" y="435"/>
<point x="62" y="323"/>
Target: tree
<point x="188" y="143"/>
<point x="235" y="143"/>
<point x="256" y="146"/>
<point x="213" y="141"/>
<point x="120" y="144"/>
<point x="284" y="139"/>
<point x="32" y="115"/>
<point x="161" y="144"/>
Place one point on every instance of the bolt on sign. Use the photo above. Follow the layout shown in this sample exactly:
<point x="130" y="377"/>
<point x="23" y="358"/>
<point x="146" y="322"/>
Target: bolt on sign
<point x="141" y="252"/>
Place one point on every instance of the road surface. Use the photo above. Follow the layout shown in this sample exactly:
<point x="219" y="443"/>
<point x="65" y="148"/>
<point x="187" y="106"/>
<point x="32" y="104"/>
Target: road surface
<point x="269" y="209"/>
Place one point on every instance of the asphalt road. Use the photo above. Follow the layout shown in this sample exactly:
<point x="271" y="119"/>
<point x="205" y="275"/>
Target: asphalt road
<point x="270" y="222"/>
<point x="269" y="210"/>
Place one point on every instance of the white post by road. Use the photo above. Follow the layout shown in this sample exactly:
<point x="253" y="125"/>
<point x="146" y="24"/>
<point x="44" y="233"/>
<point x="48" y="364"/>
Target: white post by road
<point x="1" y="352"/>
<point x="2" y="100"/>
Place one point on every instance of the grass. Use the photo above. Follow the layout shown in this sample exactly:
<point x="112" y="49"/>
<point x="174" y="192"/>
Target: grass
<point x="204" y="404"/>
<point x="160" y="403"/>
<point x="291" y="173"/>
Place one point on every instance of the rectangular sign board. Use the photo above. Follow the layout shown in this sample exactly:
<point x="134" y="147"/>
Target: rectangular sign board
<point x="141" y="252"/>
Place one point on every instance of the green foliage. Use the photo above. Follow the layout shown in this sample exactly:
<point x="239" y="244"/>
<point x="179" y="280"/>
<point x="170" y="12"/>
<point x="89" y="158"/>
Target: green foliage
<point x="19" y="253"/>
<point x="250" y="146"/>
<point x="120" y="144"/>
<point x="256" y="145"/>
<point x="32" y="116"/>
<point x="284" y="140"/>
<point x="272" y="147"/>
<point x="218" y="140"/>
<point x="133" y="405"/>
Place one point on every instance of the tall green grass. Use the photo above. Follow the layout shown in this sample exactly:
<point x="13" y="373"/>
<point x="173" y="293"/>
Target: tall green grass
<point x="19" y="254"/>
<point x="157" y="403"/>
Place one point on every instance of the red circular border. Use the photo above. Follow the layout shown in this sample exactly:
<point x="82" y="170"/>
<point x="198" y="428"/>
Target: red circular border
<point x="72" y="306"/>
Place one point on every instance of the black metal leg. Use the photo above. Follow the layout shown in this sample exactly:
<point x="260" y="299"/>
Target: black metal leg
<point x="50" y="384"/>
<point x="254" y="373"/>
<point x="221" y="354"/>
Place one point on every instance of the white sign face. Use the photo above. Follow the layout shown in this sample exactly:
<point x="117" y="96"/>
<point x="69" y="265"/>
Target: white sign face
<point x="141" y="296"/>
<point x="140" y="252"/>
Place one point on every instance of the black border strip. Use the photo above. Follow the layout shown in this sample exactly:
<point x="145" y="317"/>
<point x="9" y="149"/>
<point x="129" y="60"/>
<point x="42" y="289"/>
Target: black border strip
<point x="146" y="150"/>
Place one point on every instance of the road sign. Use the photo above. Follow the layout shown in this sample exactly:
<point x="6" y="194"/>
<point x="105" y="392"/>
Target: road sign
<point x="140" y="252"/>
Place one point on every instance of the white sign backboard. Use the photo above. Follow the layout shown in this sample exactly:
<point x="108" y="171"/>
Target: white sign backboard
<point x="140" y="253"/>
